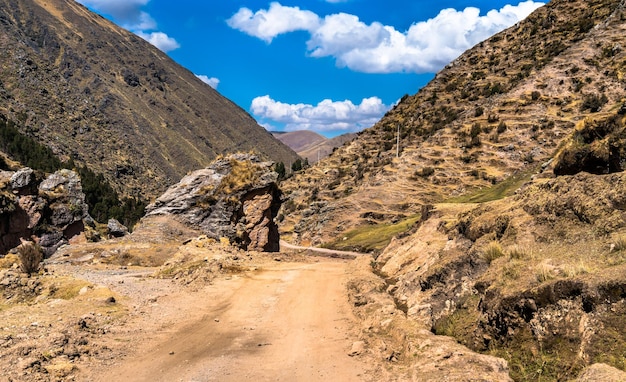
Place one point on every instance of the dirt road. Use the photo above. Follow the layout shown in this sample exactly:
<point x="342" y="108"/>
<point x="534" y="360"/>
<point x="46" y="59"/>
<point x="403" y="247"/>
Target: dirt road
<point x="288" y="322"/>
<point x="323" y="251"/>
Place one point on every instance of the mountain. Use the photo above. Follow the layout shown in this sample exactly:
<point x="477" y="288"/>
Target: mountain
<point x="500" y="220"/>
<point x="311" y="145"/>
<point x="492" y="118"/>
<point x="98" y="94"/>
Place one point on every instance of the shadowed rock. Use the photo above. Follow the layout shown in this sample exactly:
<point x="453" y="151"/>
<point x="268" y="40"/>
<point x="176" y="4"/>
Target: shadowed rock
<point x="50" y="210"/>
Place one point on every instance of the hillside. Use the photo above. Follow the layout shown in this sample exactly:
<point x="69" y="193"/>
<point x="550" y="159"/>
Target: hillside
<point x="502" y="223"/>
<point x="494" y="116"/>
<point x="99" y="94"/>
<point x="311" y="145"/>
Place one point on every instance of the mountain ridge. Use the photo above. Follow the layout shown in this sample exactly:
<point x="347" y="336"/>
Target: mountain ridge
<point x="311" y="145"/>
<point x="501" y="109"/>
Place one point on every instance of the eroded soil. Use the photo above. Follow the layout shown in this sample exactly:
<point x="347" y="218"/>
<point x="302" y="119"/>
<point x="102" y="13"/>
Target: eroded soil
<point x="250" y="317"/>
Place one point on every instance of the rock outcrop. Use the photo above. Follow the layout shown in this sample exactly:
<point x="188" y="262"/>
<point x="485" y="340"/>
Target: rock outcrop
<point x="235" y="197"/>
<point x="116" y="229"/>
<point x="50" y="210"/>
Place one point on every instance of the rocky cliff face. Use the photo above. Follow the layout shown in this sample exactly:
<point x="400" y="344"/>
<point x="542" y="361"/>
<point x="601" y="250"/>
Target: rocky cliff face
<point x="235" y="197"/>
<point x="50" y="210"/>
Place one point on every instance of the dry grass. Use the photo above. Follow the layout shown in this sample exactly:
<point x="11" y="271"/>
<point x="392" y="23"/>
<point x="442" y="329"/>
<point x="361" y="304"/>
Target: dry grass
<point x="620" y="243"/>
<point x="519" y="253"/>
<point x="30" y="255"/>
<point x="572" y="270"/>
<point x="66" y="288"/>
<point x="8" y="261"/>
<point x="242" y="174"/>
<point x="492" y="251"/>
<point x="544" y="272"/>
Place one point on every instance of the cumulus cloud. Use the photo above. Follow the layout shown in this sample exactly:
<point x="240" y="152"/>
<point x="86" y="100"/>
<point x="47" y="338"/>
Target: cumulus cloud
<point x="129" y="15"/>
<point x="328" y="115"/>
<point x="160" y="40"/>
<point x="211" y="81"/>
<point x="267" y="24"/>
<point x="425" y="47"/>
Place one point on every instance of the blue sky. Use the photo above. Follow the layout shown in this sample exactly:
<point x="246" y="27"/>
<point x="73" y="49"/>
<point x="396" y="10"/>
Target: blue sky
<point x="332" y="66"/>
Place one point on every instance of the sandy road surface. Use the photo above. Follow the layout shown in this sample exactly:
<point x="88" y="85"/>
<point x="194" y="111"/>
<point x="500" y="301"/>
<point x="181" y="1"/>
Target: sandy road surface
<point x="288" y="322"/>
<point x="323" y="251"/>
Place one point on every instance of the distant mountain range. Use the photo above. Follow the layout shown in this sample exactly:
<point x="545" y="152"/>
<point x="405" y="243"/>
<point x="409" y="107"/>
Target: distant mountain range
<point x="99" y="94"/>
<point x="311" y="145"/>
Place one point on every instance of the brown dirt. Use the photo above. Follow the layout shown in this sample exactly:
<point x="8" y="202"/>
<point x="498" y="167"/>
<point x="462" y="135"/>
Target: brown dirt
<point x="209" y="313"/>
<point x="288" y="321"/>
<point x="143" y="309"/>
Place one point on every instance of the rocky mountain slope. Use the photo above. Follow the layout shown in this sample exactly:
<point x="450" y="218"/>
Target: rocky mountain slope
<point x="106" y="98"/>
<point x="500" y="111"/>
<point x="311" y="145"/>
<point x="509" y="184"/>
<point x="537" y="278"/>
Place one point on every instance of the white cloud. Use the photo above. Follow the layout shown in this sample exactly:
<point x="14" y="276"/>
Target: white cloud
<point x="160" y="40"/>
<point x="267" y="24"/>
<point x="376" y="48"/>
<point x="328" y="115"/>
<point x="212" y="81"/>
<point x="129" y="15"/>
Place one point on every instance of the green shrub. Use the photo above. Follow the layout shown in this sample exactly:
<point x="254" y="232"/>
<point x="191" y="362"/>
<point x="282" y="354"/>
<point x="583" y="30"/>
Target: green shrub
<point x="501" y="127"/>
<point x="593" y="102"/>
<point x="535" y="95"/>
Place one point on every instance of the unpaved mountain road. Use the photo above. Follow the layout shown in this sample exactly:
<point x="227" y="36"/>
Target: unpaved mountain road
<point x="285" y="322"/>
<point x="323" y="251"/>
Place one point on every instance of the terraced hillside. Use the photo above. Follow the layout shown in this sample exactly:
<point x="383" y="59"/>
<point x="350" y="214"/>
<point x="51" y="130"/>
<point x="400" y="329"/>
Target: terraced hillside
<point x="492" y="118"/>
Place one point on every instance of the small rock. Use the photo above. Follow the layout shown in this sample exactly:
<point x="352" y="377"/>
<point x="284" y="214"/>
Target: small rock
<point x="601" y="372"/>
<point x="110" y="300"/>
<point x="116" y="229"/>
<point x="22" y="178"/>
<point x="357" y="348"/>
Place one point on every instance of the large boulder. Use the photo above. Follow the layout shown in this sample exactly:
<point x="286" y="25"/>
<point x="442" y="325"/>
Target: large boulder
<point x="50" y="210"/>
<point x="116" y="229"/>
<point x="235" y="197"/>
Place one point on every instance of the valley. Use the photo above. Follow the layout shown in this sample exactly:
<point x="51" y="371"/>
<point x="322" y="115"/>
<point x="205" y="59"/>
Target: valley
<point x="476" y="232"/>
